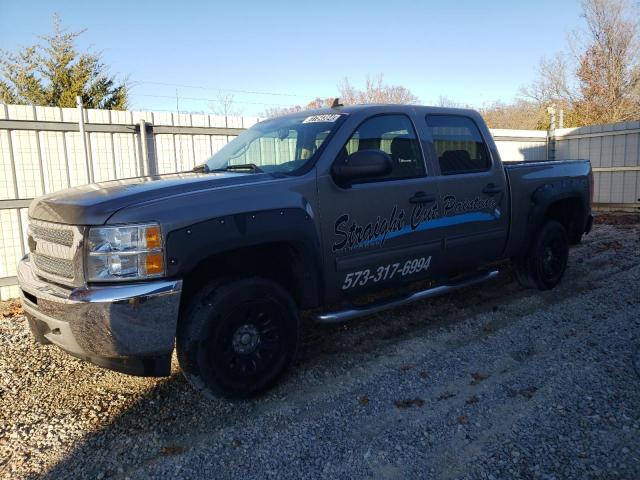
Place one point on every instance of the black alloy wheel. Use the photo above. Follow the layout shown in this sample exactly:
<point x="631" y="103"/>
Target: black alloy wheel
<point x="546" y="262"/>
<point x="237" y="337"/>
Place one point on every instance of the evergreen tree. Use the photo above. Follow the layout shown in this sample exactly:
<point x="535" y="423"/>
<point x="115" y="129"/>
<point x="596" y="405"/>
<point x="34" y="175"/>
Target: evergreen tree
<point x="53" y="72"/>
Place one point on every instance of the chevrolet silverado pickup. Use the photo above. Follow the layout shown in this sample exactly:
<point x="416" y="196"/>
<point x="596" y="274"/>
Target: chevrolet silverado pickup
<point x="314" y="211"/>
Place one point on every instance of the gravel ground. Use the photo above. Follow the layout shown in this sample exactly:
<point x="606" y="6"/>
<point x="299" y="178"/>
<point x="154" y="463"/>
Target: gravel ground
<point x="490" y="382"/>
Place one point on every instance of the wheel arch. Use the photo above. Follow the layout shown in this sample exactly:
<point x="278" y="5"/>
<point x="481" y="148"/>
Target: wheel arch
<point x="279" y="245"/>
<point x="570" y="212"/>
<point x="564" y="201"/>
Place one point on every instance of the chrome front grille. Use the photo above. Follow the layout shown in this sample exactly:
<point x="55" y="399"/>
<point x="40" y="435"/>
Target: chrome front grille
<point x="53" y="235"/>
<point x="56" y="251"/>
<point x="55" y="266"/>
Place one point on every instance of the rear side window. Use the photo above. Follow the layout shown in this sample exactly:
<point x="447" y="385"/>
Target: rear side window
<point x="394" y="135"/>
<point x="458" y="144"/>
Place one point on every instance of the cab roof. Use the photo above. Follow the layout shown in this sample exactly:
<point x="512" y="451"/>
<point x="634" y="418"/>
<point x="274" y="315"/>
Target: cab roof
<point x="384" y="108"/>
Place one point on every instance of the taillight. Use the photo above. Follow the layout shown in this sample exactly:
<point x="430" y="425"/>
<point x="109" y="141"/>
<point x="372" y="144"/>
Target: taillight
<point x="591" y="187"/>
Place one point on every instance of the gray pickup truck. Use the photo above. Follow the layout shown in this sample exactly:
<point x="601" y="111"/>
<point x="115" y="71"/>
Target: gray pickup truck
<point x="314" y="212"/>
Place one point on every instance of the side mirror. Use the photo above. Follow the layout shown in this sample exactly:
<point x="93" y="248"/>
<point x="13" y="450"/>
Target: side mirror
<point x="360" y="165"/>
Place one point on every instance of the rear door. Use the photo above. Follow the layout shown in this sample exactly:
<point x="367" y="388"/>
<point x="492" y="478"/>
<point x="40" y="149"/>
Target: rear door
<point x="370" y="228"/>
<point x="473" y="195"/>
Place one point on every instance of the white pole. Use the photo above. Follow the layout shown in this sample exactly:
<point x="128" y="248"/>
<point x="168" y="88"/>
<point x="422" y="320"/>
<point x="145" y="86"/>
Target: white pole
<point x="83" y="137"/>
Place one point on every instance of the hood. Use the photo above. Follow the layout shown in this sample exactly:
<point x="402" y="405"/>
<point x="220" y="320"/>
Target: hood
<point x="93" y="204"/>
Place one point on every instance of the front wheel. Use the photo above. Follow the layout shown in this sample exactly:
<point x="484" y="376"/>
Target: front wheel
<point x="546" y="261"/>
<point x="237" y="338"/>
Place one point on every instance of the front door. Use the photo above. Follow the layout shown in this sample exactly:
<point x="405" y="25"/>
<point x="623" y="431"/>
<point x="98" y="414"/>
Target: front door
<point x="372" y="228"/>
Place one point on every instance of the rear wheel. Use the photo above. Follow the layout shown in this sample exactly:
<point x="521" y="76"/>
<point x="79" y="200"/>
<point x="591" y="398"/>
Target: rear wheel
<point x="546" y="261"/>
<point x="236" y="338"/>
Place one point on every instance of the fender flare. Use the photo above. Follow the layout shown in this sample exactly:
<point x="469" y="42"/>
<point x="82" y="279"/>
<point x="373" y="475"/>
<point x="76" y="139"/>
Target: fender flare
<point x="188" y="247"/>
<point x="545" y="196"/>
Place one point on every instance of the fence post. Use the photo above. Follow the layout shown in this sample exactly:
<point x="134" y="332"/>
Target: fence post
<point x="551" y="134"/>
<point x="144" y="147"/>
<point x="83" y="137"/>
<point x="16" y="194"/>
<point x="149" y="164"/>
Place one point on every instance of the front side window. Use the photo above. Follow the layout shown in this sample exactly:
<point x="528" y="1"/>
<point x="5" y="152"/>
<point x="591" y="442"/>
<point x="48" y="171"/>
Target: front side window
<point x="458" y="144"/>
<point x="281" y="145"/>
<point x="394" y="135"/>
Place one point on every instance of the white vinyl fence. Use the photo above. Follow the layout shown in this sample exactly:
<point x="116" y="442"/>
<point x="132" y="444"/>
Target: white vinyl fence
<point x="42" y="151"/>
<point x="614" y="151"/>
<point x="521" y="145"/>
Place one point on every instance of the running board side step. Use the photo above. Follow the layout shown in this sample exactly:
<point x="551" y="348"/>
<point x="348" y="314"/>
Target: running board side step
<point x="344" y="315"/>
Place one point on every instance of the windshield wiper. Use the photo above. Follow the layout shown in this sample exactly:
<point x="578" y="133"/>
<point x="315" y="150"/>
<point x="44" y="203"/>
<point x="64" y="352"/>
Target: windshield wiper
<point x="243" y="166"/>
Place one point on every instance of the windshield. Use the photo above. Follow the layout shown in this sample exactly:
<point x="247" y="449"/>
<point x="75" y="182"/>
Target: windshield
<point x="281" y="145"/>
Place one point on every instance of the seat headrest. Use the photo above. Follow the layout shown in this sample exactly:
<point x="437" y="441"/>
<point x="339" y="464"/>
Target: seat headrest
<point x="456" y="155"/>
<point x="455" y="161"/>
<point x="402" y="148"/>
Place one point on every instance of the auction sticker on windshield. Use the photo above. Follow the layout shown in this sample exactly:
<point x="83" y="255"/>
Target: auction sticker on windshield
<point x="326" y="117"/>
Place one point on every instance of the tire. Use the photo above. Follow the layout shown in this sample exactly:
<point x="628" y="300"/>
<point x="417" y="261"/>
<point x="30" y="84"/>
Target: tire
<point x="546" y="262"/>
<point x="236" y="338"/>
<point x="574" y="238"/>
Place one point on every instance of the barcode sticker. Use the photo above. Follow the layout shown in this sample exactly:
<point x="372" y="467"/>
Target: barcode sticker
<point x="327" y="117"/>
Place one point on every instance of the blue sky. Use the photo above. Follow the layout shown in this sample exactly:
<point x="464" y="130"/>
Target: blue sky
<point x="473" y="52"/>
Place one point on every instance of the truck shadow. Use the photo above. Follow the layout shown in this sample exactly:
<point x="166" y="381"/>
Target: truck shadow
<point x="170" y="418"/>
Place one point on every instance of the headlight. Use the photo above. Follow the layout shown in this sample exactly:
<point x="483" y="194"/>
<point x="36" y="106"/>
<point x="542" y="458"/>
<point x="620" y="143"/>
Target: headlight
<point x="128" y="252"/>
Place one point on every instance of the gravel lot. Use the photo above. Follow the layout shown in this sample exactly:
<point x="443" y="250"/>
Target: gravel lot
<point x="490" y="382"/>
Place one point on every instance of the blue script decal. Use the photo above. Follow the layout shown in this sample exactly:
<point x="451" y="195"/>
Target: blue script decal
<point x="354" y="235"/>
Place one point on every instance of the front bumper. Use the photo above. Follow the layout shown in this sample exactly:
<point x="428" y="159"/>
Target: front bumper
<point x="129" y="328"/>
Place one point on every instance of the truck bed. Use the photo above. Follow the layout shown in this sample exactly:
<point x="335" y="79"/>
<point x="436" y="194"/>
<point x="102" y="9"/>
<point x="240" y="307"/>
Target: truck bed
<point x="529" y="182"/>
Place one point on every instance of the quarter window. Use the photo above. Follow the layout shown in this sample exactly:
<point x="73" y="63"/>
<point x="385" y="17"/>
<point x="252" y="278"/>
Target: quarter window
<point x="394" y="135"/>
<point x="458" y="144"/>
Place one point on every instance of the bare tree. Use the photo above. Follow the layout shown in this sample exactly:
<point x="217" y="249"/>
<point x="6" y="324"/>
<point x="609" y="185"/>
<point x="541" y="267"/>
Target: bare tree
<point x="554" y="82"/>
<point x="273" y="112"/>
<point x="608" y="68"/>
<point x="519" y="115"/>
<point x="444" y="101"/>
<point x="225" y="104"/>
<point x="320" y="102"/>
<point x="375" y="91"/>
<point x="313" y="104"/>
<point x="599" y="81"/>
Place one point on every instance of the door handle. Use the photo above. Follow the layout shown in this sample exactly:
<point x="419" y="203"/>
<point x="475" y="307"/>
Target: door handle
<point x="492" y="189"/>
<point x="421" y="197"/>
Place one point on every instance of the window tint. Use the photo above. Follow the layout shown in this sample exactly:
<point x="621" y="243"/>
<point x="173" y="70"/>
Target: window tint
<point x="393" y="134"/>
<point x="458" y="144"/>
